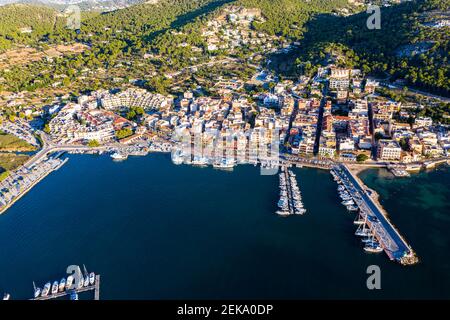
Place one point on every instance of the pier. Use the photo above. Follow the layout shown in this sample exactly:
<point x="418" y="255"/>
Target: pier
<point x="290" y="198"/>
<point x="95" y="287"/>
<point x="389" y="238"/>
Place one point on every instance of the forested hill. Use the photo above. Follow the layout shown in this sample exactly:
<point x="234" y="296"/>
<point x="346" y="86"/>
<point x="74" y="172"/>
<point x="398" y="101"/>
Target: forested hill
<point x="20" y="23"/>
<point x="410" y="45"/>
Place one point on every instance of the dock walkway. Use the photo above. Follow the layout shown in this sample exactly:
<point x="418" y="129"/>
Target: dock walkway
<point x="388" y="236"/>
<point x="95" y="287"/>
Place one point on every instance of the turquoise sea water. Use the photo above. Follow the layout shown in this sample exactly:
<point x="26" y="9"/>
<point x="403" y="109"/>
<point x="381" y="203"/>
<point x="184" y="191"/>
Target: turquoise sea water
<point x="159" y="231"/>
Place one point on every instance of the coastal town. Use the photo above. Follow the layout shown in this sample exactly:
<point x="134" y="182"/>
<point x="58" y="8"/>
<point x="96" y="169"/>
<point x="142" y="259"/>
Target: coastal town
<point x="338" y="116"/>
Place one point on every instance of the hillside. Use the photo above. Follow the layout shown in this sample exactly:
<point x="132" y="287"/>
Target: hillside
<point x="411" y="45"/>
<point x="20" y="23"/>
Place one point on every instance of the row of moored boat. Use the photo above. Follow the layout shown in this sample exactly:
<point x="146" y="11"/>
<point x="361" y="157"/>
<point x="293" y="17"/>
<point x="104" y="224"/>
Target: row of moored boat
<point x="368" y="238"/>
<point x="290" y="197"/>
<point x="64" y="285"/>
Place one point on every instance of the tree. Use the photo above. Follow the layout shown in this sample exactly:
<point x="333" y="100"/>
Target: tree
<point x="362" y="157"/>
<point x="123" y="133"/>
<point x="93" y="143"/>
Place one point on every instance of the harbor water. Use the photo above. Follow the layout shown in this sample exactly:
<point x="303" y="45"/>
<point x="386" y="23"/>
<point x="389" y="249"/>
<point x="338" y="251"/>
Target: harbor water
<point x="154" y="230"/>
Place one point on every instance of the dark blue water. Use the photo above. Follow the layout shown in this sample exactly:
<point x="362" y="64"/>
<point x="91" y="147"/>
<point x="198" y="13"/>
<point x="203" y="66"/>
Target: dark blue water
<point x="159" y="231"/>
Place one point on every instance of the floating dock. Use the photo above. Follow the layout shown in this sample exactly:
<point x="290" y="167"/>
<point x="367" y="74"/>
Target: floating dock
<point x="95" y="287"/>
<point x="375" y="217"/>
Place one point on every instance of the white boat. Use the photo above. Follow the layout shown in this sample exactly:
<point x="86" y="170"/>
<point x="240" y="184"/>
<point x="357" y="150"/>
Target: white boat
<point x="55" y="287"/>
<point x="226" y="164"/>
<point x="37" y="292"/>
<point x="300" y="211"/>
<point x="92" y="278"/>
<point x="177" y="157"/>
<point x="6" y="296"/>
<point x="352" y="208"/>
<point x="80" y="283"/>
<point x="46" y="289"/>
<point x="348" y="202"/>
<point x="363" y="233"/>
<point x="373" y="247"/>
<point x="69" y="282"/>
<point x="200" y="161"/>
<point x="62" y="284"/>
<point x="86" y="280"/>
<point x="283" y="213"/>
<point x="118" y="156"/>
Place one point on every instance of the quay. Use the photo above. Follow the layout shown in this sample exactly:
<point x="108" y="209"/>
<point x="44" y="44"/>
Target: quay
<point x="389" y="238"/>
<point x="95" y="287"/>
<point x="25" y="178"/>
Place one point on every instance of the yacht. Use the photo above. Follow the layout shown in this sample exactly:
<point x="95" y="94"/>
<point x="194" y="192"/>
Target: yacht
<point x="300" y="211"/>
<point x="80" y="283"/>
<point x="200" y="161"/>
<point x="91" y="278"/>
<point x="69" y="282"/>
<point x="373" y="247"/>
<point x="348" y="203"/>
<point x="363" y="232"/>
<point x="6" y="296"/>
<point x="46" y="289"/>
<point x="225" y="164"/>
<point x="118" y="156"/>
<point x="37" y="292"/>
<point x="86" y="280"/>
<point x="55" y="287"/>
<point x="177" y="157"/>
<point x="352" y="208"/>
<point x="62" y="284"/>
<point x="283" y="213"/>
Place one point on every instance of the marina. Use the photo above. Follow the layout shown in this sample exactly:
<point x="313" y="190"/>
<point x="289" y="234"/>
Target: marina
<point x="20" y="181"/>
<point x="69" y="287"/>
<point x="290" y="202"/>
<point x="373" y="225"/>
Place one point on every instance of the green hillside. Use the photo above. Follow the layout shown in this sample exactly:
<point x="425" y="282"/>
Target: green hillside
<point x="405" y="47"/>
<point x="20" y="23"/>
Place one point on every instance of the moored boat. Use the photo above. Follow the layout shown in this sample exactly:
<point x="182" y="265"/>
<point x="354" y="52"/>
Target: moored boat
<point x="373" y="247"/>
<point x="55" y="287"/>
<point x="92" y="278"/>
<point x="62" y="284"/>
<point x="118" y="156"/>
<point x="37" y="292"/>
<point x="46" y="289"/>
<point x="86" y="280"/>
<point x="69" y="282"/>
